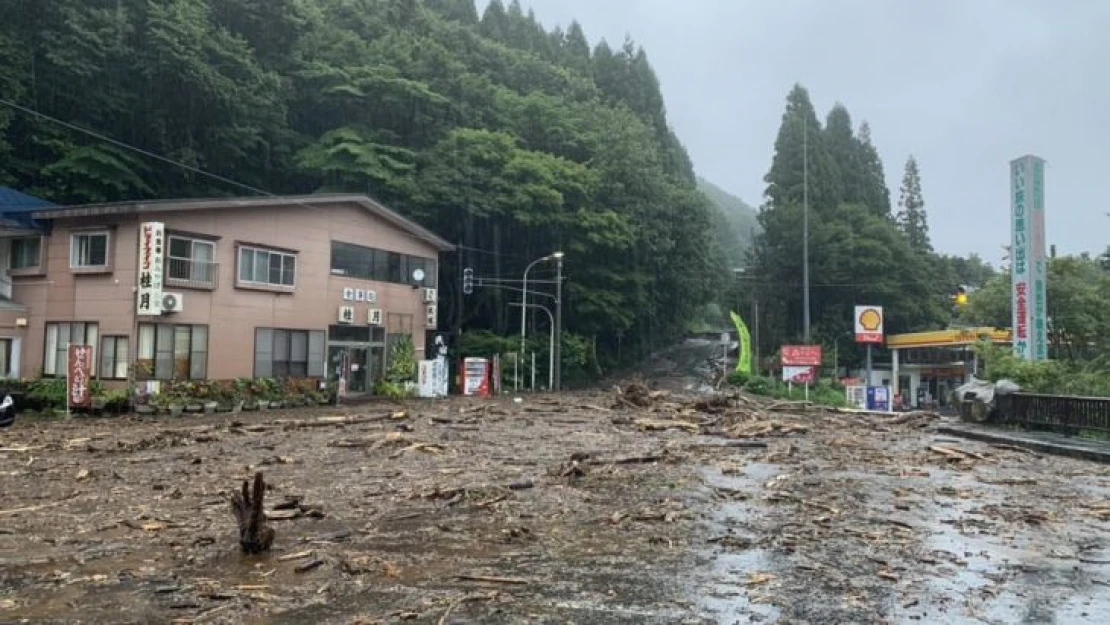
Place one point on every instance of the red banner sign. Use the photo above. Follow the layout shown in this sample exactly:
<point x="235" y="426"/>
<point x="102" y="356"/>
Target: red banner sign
<point x="79" y="376"/>
<point x="801" y="355"/>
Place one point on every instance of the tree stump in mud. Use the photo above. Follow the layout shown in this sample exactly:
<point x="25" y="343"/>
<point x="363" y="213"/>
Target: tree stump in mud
<point x="254" y="535"/>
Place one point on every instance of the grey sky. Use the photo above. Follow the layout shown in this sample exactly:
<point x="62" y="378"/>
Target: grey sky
<point x="963" y="85"/>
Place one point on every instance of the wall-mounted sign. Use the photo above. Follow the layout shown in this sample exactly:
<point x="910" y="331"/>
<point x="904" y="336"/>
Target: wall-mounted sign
<point x="1028" y="262"/>
<point x="801" y="355"/>
<point x="346" y="314"/>
<point x="79" y="376"/>
<point x="152" y="236"/>
<point x="869" y="324"/>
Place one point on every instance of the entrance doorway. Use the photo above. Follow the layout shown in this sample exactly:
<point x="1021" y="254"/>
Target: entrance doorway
<point x="356" y="356"/>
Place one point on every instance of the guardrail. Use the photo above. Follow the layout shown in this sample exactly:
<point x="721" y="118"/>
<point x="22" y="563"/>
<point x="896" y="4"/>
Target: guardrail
<point x="1061" y="413"/>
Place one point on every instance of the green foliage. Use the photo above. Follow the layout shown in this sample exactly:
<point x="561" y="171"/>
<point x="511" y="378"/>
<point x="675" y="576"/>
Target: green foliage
<point x="1077" y="299"/>
<point x="401" y="364"/>
<point x="1053" y="377"/>
<point x="491" y="131"/>
<point x="858" y="253"/>
<point x="823" y="393"/>
<point x="911" y="208"/>
<point x="735" y="224"/>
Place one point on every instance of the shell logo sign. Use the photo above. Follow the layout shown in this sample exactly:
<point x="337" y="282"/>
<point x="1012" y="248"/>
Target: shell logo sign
<point x="869" y="324"/>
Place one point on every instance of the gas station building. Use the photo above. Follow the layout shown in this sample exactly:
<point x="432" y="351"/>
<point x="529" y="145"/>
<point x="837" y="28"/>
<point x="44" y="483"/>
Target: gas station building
<point x="926" y="366"/>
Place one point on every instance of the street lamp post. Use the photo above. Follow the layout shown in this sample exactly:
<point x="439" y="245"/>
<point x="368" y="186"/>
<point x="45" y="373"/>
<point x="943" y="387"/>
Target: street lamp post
<point x="557" y="256"/>
<point x="558" y="368"/>
<point x="550" y="344"/>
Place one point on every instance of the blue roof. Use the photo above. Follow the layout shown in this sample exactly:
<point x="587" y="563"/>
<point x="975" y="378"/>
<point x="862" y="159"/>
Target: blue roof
<point x="12" y="201"/>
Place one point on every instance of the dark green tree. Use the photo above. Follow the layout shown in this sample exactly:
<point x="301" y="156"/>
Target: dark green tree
<point x="911" y="208"/>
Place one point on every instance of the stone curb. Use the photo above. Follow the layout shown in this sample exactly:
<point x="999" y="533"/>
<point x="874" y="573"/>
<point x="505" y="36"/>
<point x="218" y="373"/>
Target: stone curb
<point x="1062" y="448"/>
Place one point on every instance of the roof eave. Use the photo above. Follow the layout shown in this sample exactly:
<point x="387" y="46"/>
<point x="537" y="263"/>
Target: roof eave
<point x="136" y="208"/>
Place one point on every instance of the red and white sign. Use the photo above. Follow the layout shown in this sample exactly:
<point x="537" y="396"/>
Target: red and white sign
<point x="801" y="355"/>
<point x="869" y="324"/>
<point x="799" y="375"/>
<point x="79" y="376"/>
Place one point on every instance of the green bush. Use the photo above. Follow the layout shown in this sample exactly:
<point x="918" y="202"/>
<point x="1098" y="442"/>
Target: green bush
<point x="1052" y="377"/>
<point x="824" y="393"/>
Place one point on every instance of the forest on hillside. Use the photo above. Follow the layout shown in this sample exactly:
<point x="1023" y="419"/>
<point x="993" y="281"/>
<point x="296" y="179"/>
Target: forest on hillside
<point x="864" y="249"/>
<point x="510" y="139"/>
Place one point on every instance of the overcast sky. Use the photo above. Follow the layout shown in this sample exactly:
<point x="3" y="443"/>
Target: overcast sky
<point x="963" y="85"/>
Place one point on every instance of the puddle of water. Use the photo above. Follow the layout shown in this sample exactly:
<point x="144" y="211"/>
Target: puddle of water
<point x="725" y="593"/>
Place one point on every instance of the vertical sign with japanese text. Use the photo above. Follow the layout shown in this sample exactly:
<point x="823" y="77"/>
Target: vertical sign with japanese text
<point x="79" y="376"/>
<point x="1028" y="261"/>
<point x="152" y="236"/>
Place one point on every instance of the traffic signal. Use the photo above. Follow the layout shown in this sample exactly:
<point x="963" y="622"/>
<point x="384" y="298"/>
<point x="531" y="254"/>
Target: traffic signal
<point x="959" y="300"/>
<point x="961" y="295"/>
<point x="468" y="281"/>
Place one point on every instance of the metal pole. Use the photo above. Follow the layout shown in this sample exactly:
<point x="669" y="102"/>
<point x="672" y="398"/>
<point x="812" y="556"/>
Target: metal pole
<point x="558" y="323"/>
<point x="551" y="355"/>
<point x="533" y="372"/>
<point x="805" y="227"/>
<point x="868" y="383"/>
<point x="524" y="304"/>
<point x="755" y="333"/>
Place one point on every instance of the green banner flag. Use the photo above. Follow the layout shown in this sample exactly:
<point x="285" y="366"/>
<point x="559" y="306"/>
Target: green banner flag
<point x="744" y="363"/>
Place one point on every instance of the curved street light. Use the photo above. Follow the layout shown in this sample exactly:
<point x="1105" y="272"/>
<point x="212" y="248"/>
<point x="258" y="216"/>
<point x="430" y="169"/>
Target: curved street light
<point x="556" y="256"/>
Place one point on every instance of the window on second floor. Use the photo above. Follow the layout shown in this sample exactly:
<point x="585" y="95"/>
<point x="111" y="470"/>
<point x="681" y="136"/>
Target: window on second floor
<point x="367" y="263"/>
<point x="267" y="268"/>
<point x="26" y="253"/>
<point x="191" y="262"/>
<point x="88" y="250"/>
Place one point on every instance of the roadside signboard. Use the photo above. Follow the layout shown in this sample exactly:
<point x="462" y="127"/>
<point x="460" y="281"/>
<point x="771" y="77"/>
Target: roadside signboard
<point x="1028" y="262"/>
<point x="801" y="355"/>
<point x="798" y="374"/>
<point x="79" y="376"/>
<point x="869" y="324"/>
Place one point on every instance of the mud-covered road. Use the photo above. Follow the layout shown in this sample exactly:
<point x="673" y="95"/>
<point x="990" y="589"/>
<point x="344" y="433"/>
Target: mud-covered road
<point x="581" y="509"/>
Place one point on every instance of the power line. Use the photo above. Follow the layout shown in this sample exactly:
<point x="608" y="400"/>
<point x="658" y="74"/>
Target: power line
<point x="127" y="146"/>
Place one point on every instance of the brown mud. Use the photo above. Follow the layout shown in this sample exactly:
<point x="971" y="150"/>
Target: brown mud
<point x="628" y="507"/>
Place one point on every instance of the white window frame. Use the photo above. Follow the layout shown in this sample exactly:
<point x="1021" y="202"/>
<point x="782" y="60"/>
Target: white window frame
<point x="254" y="250"/>
<point x="192" y="259"/>
<point x="73" y="236"/>
<point x="54" y="347"/>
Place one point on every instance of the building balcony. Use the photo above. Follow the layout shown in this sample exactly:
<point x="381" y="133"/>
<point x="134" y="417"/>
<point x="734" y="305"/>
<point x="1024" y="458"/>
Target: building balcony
<point x="186" y="273"/>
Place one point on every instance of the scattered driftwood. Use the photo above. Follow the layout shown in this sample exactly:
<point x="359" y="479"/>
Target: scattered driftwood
<point x="491" y="579"/>
<point x="254" y="535"/>
<point x="659" y="425"/>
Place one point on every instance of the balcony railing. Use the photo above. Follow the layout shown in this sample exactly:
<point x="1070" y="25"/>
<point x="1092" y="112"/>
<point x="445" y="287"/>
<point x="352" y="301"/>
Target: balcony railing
<point x="192" y="274"/>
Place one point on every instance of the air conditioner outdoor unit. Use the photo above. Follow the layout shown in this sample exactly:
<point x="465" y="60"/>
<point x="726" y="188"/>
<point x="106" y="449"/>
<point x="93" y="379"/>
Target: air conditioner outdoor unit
<point x="375" y="317"/>
<point x="172" y="303"/>
<point x="431" y="310"/>
<point x="429" y="296"/>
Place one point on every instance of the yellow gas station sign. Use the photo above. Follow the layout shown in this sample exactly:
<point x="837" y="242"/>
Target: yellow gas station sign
<point x="945" y="338"/>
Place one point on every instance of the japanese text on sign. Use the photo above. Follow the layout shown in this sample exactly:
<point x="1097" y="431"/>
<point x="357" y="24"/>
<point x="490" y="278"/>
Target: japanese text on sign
<point x="801" y="355"/>
<point x="151" y="271"/>
<point x="79" y="376"/>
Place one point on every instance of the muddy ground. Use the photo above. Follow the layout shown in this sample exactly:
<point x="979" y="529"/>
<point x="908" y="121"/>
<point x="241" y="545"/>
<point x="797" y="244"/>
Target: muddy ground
<point x="589" y="508"/>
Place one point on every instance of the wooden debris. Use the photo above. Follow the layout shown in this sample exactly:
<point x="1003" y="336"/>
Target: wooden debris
<point x="254" y="535"/>
<point x="491" y="579"/>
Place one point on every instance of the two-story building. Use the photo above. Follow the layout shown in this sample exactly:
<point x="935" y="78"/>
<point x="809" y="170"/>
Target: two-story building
<point x="217" y="289"/>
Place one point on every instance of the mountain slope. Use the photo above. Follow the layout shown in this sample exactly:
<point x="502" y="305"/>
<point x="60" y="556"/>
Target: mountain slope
<point x="735" y="220"/>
